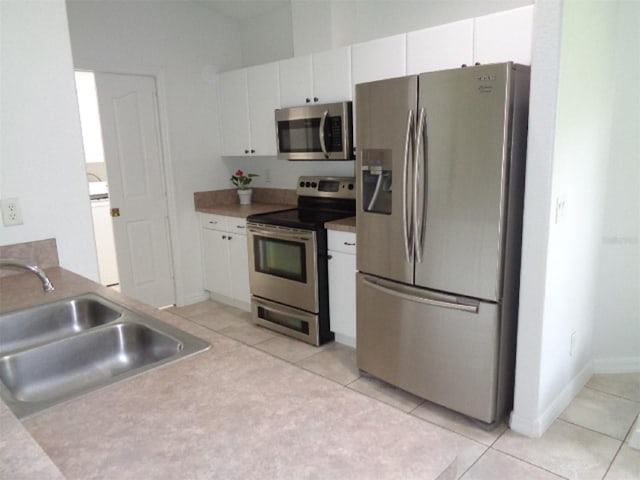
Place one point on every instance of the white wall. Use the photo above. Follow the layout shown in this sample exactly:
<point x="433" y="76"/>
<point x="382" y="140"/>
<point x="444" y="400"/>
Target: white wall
<point x="267" y="38"/>
<point x="567" y="159"/>
<point x="318" y="25"/>
<point x="616" y="345"/>
<point x="188" y="44"/>
<point x="41" y="157"/>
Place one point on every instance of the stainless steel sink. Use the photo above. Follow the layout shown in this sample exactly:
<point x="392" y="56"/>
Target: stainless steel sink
<point x="112" y="343"/>
<point x="42" y="324"/>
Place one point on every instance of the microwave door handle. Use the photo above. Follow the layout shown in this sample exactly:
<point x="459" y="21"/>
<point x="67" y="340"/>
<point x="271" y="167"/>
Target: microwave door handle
<point x="406" y="207"/>
<point x="323" y="121"/>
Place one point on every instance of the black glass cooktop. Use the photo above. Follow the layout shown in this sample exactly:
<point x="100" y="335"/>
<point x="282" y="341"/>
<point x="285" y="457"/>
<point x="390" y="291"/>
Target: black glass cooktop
<point x="310" y="215"/>
<point x="299" y="218"/>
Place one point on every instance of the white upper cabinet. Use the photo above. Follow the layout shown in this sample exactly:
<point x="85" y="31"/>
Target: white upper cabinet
<point x="379" y="59"/>
<point x="319" y="78"/>
<point x="234" y="112"/>
<point x="248" y="99"/>
<point x="264" y="98"/>
<point x="504" y="36"/>
<point x="332" y="75"/>
<point x="296" y="81"/>
<point x="440" y="48"/>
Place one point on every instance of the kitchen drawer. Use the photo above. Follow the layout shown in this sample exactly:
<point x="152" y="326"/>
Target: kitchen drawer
<point x="237" y="225"/>
<point x="213" y="222"/>
<point x="344" y="242"/>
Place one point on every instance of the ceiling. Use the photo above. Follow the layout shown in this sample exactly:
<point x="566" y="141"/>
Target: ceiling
<point x="244" y="9"/>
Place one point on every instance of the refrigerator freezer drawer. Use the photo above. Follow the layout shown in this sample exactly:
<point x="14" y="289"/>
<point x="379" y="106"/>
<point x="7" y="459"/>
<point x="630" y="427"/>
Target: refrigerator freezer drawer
<point x="431" y="345"/>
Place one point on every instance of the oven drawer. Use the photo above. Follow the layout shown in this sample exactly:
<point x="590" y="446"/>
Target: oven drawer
<point x="283" y="319"/>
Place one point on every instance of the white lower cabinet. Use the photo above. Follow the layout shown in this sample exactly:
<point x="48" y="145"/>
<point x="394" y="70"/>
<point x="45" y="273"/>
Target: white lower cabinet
<point x="225" y="257"/>
<point x="342" y="286"/>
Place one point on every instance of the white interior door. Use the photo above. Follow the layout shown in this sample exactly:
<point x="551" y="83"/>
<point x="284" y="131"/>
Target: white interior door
<point x="133" y="154"/>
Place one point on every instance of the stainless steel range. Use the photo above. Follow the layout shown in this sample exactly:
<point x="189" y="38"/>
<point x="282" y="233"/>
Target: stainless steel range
<point x="288" y="259"/>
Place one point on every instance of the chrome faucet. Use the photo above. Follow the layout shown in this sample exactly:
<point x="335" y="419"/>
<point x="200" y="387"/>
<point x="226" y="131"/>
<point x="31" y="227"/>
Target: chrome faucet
<point x="46" y="283"/>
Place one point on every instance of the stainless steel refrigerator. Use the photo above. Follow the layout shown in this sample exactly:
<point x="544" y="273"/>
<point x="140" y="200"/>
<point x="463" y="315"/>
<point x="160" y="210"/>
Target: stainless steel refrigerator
<point x="441" y="159"/>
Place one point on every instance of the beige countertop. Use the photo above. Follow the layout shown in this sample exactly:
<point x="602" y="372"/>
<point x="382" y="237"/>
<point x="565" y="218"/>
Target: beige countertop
<point x="231" y="412"/>
<point x="342" y="225"/>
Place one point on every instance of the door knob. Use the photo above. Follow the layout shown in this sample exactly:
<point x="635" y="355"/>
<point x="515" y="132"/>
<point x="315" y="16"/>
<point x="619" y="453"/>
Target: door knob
<point x="115" y="212"/>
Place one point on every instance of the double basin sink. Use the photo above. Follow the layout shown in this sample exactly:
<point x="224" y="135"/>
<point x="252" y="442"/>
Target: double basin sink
<point x="55" y="352"/>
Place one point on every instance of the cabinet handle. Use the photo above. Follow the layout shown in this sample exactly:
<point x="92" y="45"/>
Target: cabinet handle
<point x="315" y="99"/>
<point x="224" y="237"/>
<point x="253" y="151"/>
<point x="329" y="257"/>
<point x="349" y="244"/>
<point x="229" y="237"/>
<point x="212" y="222"/>
<point x="240" y="226"/>
<point x="308" y="100"/>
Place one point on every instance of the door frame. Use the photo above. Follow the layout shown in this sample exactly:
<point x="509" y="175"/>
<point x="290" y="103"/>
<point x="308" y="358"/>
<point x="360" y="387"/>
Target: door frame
<point x="167" y="164"/>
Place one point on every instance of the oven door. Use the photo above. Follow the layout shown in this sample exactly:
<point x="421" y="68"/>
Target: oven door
<point x="283" y="265"/>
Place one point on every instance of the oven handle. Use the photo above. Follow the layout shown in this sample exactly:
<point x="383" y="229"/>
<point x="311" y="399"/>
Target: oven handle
<point x="280" y="234"/>
<point x="323" y="120"/>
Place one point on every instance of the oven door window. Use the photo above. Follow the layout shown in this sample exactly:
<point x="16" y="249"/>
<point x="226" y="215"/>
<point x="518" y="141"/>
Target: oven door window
<point x="280" y="258"/>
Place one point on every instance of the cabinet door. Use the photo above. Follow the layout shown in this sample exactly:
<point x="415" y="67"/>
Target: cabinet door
<point x="264" y="99"/>
<point x="332" y="75"/>
<point x="379" y="59"/>
<point x="215" y="250"/>
<point x="239" y="267"/>
<point x="440" y="48"/>
<point x="504" y="36"/>
<point x="296" y="84"/>
<point x="234" y="113"/>
<point x="342" y="297"/>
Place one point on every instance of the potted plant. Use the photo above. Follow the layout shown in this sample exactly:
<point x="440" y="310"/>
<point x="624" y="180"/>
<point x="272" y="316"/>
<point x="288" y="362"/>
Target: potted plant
<point x="242" y="182"/>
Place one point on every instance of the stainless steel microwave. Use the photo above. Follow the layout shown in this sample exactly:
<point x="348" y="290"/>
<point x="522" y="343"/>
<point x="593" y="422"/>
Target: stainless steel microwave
<point x="315" y="132"/>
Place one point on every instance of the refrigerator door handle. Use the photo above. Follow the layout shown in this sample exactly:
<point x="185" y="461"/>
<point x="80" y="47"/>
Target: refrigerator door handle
<point x="407" y="208"/>
<point x="407" y="293"/>
<point x="420" y="187"/>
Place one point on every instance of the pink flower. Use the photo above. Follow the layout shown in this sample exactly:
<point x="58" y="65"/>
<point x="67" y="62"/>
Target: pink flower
<point x="239" y="173"/>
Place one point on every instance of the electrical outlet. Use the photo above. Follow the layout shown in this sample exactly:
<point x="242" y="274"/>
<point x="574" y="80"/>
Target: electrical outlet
<point x="11" y="214"/>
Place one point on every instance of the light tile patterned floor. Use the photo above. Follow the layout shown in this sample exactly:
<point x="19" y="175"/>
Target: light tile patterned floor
<point x="588" y="441"/>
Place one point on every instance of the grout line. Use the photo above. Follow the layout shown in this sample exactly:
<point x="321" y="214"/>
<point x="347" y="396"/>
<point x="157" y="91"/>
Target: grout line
<point x="529" y="463"/>
<point x="612" y="394"/>
<point x="591" y="429"/>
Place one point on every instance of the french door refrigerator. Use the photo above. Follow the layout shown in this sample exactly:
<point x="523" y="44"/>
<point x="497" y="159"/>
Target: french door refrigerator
<point x="441" y="159"/>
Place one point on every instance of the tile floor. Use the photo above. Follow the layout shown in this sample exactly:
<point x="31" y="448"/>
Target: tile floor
<point x="588" y="441"/>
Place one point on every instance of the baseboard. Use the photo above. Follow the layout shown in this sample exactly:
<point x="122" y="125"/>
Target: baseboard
<point x="193" y="298"/>
<point x="231" y="301"/>
<point x="616" y="365"/>
<point x="345" y="340"/>
<point x="535" y="428"/>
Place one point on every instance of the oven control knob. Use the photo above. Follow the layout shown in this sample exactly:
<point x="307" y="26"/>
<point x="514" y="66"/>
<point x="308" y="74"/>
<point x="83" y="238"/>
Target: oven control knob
<point x="301" y="184"/>
<point x="314" y="184"/>
<point x="308" y="184"/>
<point x="350" y="186"/>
